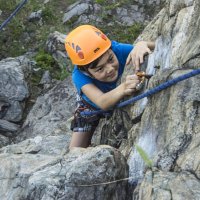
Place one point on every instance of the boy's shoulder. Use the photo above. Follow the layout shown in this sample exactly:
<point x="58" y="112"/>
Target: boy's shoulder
<point x="80" y="76"/>
<point x="118" y="47"/>
<point x="78" y="72"/>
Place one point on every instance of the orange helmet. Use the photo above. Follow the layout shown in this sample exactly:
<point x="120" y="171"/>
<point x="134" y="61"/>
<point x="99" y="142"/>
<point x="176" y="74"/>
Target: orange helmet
<point x="85" y="44"/>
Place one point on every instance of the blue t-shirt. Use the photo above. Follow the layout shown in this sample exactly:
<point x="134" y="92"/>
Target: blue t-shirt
<point x="80" y="79"/>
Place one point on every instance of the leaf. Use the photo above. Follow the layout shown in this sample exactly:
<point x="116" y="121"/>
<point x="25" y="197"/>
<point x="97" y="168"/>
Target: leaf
<point x="144" y="156"/>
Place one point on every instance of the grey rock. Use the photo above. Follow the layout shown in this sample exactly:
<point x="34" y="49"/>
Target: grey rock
<point x="76" y="9"/>
<point x="165" y="126"/>
<point x="48" y="145"/>
<point x="4" y="105"/>
<point x="13" y="86"/>
<point x="127" y="14"/>
<point x="35" y="16"/>
<point x="55" y="46"/>
<point x="8" y="126"/>
<point x="4" y="140"/>
<point x="46" y="78"/>
<point x="174" y="185"/>
<point x="50" y="112"/>
<point x="64" y="177"/>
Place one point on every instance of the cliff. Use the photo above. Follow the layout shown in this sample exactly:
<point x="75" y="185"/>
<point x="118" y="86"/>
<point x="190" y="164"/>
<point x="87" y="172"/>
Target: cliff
<point x="162" y="128"/>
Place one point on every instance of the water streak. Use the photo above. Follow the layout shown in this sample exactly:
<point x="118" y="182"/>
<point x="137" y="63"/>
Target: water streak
<point x="136" y="164"/>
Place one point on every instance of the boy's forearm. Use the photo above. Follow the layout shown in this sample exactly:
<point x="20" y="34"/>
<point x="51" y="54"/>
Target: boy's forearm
<point x="104" y="100"/>
<point x="110" y="99"/>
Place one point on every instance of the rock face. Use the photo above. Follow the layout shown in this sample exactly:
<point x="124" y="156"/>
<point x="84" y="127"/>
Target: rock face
<point x="70" y="176"/>
<point x="50" y="112"/>
<point x="174" y="186"/>
<point x="13" y="87"/>
<point x="55" y="47"/>
<point x="165" y="125"/>
<point x="13" y="94"/>
<point x="87" y="11"/>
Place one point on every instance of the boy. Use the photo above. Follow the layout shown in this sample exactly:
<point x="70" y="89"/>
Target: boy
<point x="99" y="63"/>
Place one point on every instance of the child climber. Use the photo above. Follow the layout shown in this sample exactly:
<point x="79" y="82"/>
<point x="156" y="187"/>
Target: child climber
<point x="99" y="63"/>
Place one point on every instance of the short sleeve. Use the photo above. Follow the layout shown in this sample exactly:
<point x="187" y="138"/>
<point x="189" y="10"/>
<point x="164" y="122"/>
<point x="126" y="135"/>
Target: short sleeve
<point x="79" y="79"/>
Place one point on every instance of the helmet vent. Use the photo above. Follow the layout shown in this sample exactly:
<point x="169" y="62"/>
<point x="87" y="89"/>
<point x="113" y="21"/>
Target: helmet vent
<point x="78" y="48"/>
<point x="97" y="49"/>
<point x="80" y="54"/>
<point x="103" y="37"/>
<point x="98" y="33"/>
<point x="73" y="45"/>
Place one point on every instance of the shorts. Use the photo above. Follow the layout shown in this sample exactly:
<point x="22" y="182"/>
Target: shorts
<point x="84" y="123"/>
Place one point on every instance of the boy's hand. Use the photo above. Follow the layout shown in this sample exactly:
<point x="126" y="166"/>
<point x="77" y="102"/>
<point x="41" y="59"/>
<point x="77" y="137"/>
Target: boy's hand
<point x="130" y="84"/>
<point x="136" y="56"/>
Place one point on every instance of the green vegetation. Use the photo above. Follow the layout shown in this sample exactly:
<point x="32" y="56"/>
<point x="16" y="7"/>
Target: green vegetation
<point x="121" y="34"/>
<point x="8" y="5"/>
<point x="12" y="36"/>
<point x="126" y="34"/>
<point x="46" y="62"/>
<point x="101" y="2"/>
<point x="108" y="5"/>
<point x="36" y="33"/>
<point x="48" y="16"/>
<point x="144" y="156"/>
<point x="21" y="36"/>
<point x="63" y="73"/>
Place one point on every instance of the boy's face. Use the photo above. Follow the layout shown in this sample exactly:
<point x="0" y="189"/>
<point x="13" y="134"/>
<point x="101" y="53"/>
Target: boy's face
<point x="107" y="68"/>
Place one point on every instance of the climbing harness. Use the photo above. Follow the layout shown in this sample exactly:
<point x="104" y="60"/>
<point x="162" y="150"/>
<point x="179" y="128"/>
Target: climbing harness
<point x="13" y="14"/>
<point x="150" y="92"/>
<point x="85" y="123"/>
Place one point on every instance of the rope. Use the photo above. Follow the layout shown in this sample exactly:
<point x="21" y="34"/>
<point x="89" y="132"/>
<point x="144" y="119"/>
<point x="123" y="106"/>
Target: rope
<point x="13" y="14"/>
<point x="150" y="92"/>
<point x="98" y="184"/>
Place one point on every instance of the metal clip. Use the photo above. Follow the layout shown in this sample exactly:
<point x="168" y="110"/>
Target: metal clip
<point x="142" y="75"/>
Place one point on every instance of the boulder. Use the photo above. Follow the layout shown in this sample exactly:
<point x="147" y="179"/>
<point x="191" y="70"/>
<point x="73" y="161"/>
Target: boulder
<point x="91" y="173"/>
